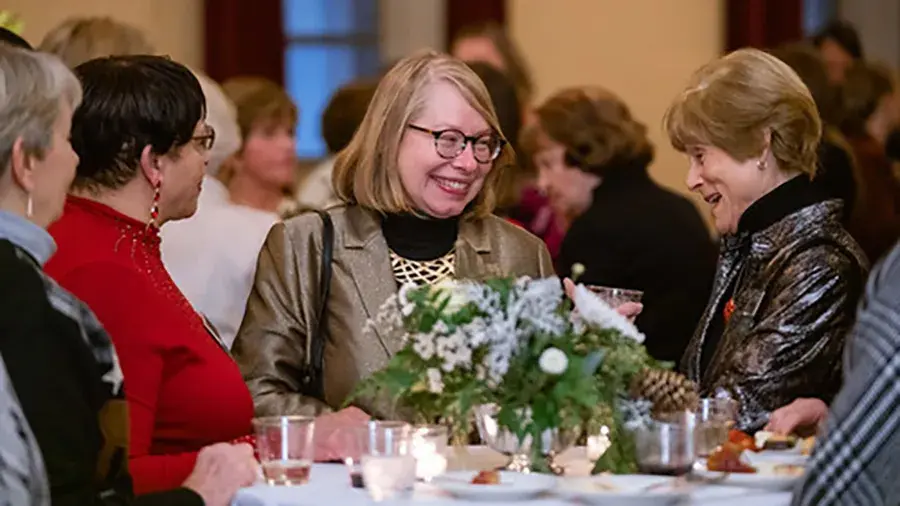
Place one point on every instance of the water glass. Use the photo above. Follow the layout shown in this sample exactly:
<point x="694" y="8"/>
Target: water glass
<point x="388" y="465"/>
<point x="286" y="448"/>
<point x="664" y="448"/>
<point x="615" y="297"/>
<point x="714" y="418"/>
<point x="430" y="443"/>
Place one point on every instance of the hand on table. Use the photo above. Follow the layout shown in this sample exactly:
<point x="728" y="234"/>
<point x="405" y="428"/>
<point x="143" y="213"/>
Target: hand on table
<point x="798" y="415"/>
<point x="332" y="441"/>
<point x="221" y="469"/>
<point x="629" y="310"/>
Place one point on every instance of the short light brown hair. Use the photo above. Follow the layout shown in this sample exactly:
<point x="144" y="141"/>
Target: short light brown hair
<point x="345" y="111"/>
<point x="78" y="40"/>
<point x="257" y="101"/>
<point x="365" y="172"/>
<point x="865" y="85"/>
<point x="738" y="102"/>
<point x="596" y="128"/>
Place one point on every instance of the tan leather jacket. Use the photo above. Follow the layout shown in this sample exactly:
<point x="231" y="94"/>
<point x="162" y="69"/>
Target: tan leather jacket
<point x="270" y="346"/>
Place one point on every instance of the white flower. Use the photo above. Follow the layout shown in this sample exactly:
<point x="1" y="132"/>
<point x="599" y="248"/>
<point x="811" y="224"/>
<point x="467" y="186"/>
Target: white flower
<point x="594" y="311"/>
<point x="553" y="361"/>
<point x="456" y="292"/>
<point x="577" y="270"/>
<point x="435" y="381"/>
<point x="452" y="351"/>
<point x="424" y="346"/>
<point x="406" y="306"/>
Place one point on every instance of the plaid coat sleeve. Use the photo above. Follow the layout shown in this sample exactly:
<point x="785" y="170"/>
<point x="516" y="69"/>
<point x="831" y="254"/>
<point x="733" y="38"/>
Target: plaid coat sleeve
<point x="856" y="463"/>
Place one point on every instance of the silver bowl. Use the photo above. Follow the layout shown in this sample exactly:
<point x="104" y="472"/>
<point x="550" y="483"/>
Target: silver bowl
<point x="553" y="442"/>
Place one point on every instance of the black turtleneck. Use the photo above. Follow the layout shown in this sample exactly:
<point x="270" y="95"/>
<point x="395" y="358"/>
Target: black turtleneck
<point x="769" y="209"/>
<point x="420" y="238"/>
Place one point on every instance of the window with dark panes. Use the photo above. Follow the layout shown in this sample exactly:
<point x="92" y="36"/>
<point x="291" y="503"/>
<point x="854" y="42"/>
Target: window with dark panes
<point x="329" y="42"/>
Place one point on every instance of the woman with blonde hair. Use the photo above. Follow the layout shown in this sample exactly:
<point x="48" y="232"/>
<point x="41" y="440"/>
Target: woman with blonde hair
<point x="789" y="275"/>
<point x="77" y="40"/>
<point x="418" y="185"/>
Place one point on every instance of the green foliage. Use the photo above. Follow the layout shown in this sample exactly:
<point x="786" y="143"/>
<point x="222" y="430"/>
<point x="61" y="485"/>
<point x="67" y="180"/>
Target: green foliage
<point x="601" y="363"/>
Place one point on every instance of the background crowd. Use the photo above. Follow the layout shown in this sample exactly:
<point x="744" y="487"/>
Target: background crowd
<point x="162" y="275"/>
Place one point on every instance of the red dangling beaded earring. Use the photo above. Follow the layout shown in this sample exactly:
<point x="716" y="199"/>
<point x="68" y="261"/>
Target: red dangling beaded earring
<point x="154" y="207"/>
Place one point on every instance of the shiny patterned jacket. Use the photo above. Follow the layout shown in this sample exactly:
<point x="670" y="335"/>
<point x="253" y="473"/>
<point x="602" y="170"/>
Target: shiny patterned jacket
<point x="796" y="285"/>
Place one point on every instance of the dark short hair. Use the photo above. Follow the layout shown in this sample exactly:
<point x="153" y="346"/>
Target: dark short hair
<point x="131" y="102"/>
<point x="844" y="35"/>
<point x="13" y="39"/>
<point x="505" y="97"/>
<point x="807" y="63"/>
<point x="865" y="84"/>
<point x="345" y="112"/>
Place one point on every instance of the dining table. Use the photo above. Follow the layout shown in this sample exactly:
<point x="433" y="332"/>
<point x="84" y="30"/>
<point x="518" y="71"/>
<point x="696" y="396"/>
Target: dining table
<point x="329" y="484"/>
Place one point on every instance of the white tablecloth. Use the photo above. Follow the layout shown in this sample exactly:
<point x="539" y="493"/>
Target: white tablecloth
<point x="330" y="485"/>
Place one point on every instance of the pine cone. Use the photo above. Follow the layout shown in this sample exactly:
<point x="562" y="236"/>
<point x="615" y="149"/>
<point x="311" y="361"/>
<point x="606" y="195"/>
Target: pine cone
<point x="669" y="391"/>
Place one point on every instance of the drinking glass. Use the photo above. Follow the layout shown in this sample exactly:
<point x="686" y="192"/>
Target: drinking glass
<point x="664" y="448"/>
<point x="430" y="448"/>
<point x="285" y="448"/>
<point x="714" y="418"/>
<point x="388" y="465"/>
<point x="615" y="297"/>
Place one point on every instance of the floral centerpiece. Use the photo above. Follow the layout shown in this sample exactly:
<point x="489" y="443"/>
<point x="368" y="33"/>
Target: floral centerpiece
<point x="518" y="344"/>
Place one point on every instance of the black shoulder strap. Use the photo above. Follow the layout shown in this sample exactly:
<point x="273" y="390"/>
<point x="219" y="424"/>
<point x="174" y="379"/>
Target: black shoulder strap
<point x="316" y="357"/>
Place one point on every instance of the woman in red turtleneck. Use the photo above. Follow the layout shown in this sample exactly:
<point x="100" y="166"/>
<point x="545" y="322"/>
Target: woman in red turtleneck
<point x="140" y="150"/>
<point x="143" y="146"/>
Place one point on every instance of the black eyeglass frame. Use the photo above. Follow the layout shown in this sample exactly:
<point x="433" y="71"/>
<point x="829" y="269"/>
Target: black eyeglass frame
<point x="206" y="140"/>
<point x="467" y="139"/>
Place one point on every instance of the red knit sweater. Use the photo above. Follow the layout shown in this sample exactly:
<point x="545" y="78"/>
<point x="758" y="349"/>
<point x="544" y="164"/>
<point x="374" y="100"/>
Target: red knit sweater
<point x="184" y="391"/>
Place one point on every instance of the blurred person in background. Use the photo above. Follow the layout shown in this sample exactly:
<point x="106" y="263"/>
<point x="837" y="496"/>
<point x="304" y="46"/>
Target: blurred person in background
<point x="835" y="173"/>
<point x="490" y="43"/>
<point x="61" y="361"/>
<point x="265" y="166"/>
<point x="870" y="113"/>
<point x="77" y="40"/>
<point x="190" y="246"/>
<point x="342" y="116"/>
<point x="518" y="197"/>
<point x="229" y="237"/>
<point x="626" y="230"/>
<point x="840" y="46"/>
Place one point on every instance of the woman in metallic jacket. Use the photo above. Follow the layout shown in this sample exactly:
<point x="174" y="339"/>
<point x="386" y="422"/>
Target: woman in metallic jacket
<point x="789" y="275"/>
<point x="418" y="188"/>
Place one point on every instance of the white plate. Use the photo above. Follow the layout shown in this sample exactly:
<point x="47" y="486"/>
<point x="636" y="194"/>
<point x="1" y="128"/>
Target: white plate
<point x="764" y="477"/>
<point x="623" y="490"/>
<point x="775" y="457"/>
<point x="512" y="486"/>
